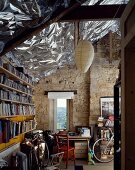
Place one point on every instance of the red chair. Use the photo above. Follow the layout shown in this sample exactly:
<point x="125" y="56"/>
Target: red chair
<point x="63" y="146"/>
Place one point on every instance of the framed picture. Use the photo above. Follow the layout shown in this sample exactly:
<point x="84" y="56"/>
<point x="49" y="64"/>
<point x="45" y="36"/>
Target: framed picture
<point x="107" y="106"/>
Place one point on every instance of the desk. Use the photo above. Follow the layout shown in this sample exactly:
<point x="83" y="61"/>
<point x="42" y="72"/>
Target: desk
<point x="81" y="144"/>
<point x="78" y="138"/>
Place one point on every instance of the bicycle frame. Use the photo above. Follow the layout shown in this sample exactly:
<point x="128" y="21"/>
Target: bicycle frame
<point x="109" y="142"/>
<point x="111" y="139"/>
<point x="106" y="149"/>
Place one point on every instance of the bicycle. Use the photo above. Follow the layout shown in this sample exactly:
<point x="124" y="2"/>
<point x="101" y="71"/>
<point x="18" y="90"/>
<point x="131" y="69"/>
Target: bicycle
<point x="39" y="157"/>
<point x="103" y="148"/>
<point x="39" y="152"/>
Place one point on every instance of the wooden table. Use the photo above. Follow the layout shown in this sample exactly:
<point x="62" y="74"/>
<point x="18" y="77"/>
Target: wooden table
<point x="81" y="144"/>
<point x="79" y="138"/>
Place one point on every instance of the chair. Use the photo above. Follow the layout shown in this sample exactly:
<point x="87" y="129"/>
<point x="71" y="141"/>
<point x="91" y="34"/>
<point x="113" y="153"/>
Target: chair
<point x="55" y="161"/>
<point x="63" y="146"/>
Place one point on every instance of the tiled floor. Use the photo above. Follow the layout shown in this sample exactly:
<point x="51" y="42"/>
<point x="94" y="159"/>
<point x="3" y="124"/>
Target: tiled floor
<point x="98" y="166"/>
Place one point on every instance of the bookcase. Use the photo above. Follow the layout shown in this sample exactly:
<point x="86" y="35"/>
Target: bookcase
<point x="17" y="111"/>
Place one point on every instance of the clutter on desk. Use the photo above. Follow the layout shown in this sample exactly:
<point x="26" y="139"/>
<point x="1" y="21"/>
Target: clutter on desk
<point x="110" y="121"/>
<point x="83" y="131"/>
<point x="72" y="133"/>
<point x="100" y="122"/>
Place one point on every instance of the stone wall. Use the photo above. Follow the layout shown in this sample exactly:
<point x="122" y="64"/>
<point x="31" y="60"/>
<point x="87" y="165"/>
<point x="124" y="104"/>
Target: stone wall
<point x="96" y="83"/>
<point x="64" y="79"/>
<point x="103" y="72"/>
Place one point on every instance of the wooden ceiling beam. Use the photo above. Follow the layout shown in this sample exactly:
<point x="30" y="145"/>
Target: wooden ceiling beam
<point x="76" y="34"/>
<point x="94" y="12"/>
<point x="29" y="33"/>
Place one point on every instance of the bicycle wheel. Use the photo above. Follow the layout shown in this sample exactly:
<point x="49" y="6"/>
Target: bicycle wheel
<point x="103" y="150"/>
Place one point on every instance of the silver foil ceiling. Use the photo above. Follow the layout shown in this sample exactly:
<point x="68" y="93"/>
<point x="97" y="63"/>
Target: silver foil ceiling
<point x="53" y="48"/>
<point x="18" y="15"/>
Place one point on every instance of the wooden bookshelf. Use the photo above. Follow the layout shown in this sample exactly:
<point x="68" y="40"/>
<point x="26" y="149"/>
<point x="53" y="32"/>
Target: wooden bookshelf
<point x="13" y="89"/>
<point x="14" y="77"/>
<point x="15" y="124"/>
<point x="18" y="118"/>
<point x="16" y="139"/>
<point x="7" y="60"/>
<point x="12" y="101"/>
<point x="13" y="141"/>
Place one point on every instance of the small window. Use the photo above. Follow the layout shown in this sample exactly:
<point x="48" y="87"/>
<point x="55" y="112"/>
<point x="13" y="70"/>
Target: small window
<point x="62" y="117"/>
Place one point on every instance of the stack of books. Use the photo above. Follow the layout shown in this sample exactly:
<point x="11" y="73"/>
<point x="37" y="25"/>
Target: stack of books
<point x="18" y="71"/>
<point x="14" y="96"/>
<point x="10" y="129"/>
<point x="8" y="109"/>
<point x="14" y="84"/>
<point x="100" y="122"/>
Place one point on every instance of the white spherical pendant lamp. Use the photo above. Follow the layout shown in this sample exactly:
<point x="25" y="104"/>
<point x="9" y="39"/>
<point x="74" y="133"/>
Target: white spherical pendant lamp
<point x="84" y="55"/>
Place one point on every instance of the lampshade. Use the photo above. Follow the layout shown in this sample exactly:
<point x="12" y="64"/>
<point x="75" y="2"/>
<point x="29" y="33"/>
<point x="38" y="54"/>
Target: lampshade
<point x="84" y="55"/>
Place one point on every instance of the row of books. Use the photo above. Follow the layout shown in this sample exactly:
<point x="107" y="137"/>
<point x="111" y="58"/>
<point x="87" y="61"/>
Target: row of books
<point x="28" y="125"/>
<point x="18" y="71"/>
<point x="8" y="109"/>
<point x="9" y="95"/>
<point x="14" y="84"/>
<point x="10" y="129"/>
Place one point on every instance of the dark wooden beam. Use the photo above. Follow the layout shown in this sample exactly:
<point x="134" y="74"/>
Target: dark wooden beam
<point x="76" y="33"/>
<point x="29" y="33"/>
<point x="95" y="12"/>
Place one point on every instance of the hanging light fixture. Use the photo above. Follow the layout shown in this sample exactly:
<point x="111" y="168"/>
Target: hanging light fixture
<point x="84" y="55"/>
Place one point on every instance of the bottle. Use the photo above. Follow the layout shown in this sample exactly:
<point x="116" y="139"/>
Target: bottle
<point x="90" y="156"/>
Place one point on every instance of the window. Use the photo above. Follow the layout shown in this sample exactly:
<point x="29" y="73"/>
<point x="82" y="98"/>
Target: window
<point x="61" y="114"/>
<point x="60" y="110"/>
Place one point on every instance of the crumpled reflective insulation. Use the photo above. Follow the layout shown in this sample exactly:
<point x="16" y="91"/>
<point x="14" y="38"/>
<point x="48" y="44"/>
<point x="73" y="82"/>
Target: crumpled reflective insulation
<point x="18" y="15"/>
<point x="52" y="48"/>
